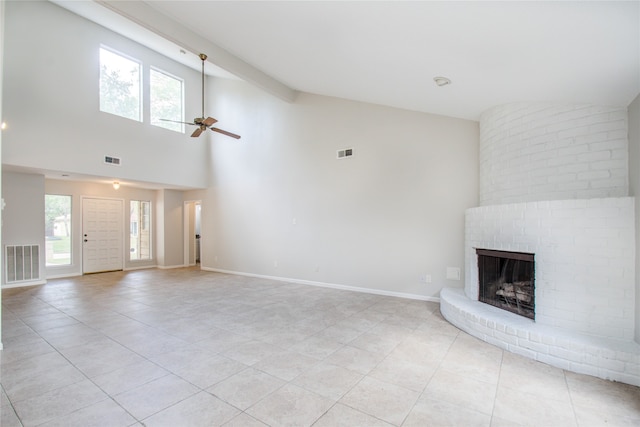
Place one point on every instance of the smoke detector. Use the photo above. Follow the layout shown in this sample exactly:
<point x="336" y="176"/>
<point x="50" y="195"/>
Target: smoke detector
<point x="442" y="81"/>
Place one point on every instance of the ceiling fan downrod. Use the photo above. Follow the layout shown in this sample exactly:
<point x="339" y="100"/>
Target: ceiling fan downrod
<point x="203" y="57"/>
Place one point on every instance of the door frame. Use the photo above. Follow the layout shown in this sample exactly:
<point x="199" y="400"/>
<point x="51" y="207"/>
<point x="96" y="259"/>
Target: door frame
<point x="122" y="231"/>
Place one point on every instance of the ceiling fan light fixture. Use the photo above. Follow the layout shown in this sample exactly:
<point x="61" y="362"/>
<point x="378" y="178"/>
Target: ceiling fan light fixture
<point x="442" y="81"/>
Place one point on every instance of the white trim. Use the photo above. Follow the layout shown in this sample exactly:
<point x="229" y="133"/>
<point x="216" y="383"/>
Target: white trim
<point x="140" y="267"/>
<point x="187" y="236"/>
<point x="168" y="267"/>
<point x="63" y="276"/>
<point x="24" y="284"/>
<point x="329" y="285"/>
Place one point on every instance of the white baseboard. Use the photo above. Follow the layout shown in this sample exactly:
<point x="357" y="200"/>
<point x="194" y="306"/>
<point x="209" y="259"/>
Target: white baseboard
<point x="168" y="267"/>
<point x="63" y="276"/>
<point x="24" y="284"/>
<point x="142" y="267"/>
<point x="329" y="285"/>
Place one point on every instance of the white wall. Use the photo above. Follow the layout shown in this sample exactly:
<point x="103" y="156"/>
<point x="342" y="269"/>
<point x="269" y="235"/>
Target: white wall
<point x="282" y="205"/>
<point x="23" y="215"/>
<point x="51" y="103"/>
<point x="380" y="220"/>
<point x="170" y="228"/>
<point x="634" y="190"/>
<point x="2" y="25"/>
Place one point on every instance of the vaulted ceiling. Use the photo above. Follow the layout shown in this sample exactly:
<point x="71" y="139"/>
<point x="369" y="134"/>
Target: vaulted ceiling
<point x="388" y="52"/>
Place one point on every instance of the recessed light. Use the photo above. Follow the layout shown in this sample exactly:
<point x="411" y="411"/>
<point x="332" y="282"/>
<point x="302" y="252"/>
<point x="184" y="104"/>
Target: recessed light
<point x="442" y="81"/>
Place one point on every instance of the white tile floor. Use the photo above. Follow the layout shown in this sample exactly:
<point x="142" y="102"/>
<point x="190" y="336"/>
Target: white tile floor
<point x="191" y="348"/>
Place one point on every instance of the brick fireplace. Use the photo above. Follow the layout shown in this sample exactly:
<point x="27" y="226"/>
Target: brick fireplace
<point x="553" y="182"/>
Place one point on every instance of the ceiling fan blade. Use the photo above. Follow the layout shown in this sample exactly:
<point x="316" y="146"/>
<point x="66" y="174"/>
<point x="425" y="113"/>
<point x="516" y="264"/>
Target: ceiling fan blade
<point x="224" y="132"/>
<point x="196" y="132"/>
<point x="209" y="121"/>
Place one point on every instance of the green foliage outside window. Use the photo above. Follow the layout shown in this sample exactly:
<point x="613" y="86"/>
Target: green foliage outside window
<point x="57" y="226"/>
<point x="120" y="85"/>
<point x="166" y="100"/>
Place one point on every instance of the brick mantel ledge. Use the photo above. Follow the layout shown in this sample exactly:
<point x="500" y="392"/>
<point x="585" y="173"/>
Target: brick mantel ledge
<point x="597" y="356"/>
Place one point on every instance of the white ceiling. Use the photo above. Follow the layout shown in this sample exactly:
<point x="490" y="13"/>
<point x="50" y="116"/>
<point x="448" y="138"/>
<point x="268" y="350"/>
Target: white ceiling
<point x="388" y="52"/>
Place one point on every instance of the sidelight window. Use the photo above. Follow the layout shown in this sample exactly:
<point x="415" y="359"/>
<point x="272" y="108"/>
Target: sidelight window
<point x="57" y="220"/>
<point x="140" y="230"/>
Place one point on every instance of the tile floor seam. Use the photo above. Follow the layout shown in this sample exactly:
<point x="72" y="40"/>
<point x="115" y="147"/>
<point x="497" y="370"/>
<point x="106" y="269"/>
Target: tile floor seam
<point x="165" y="408"/>
<point x="65" y="358"/>
<point x="108" y="396"/>
<point x="376" y="316"/>
<point x="371" y="415"/>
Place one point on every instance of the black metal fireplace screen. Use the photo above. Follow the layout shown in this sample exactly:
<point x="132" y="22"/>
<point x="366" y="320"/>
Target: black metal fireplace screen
<point x="506" y="280"/>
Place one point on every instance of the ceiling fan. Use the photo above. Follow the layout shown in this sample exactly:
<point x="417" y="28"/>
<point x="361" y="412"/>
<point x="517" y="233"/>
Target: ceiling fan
<point x="202" y="123"/>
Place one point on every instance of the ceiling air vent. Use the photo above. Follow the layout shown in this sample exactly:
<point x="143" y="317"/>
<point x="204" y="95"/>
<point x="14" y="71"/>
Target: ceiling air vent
<point x="112" y="160"/>
<point x="347" y="152"/>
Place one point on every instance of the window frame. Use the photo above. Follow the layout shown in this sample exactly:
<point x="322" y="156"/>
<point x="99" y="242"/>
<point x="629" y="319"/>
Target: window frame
<point x="153" y="69"/>
<point x="143" y="227"/>
<point x="47" y="262"/>
<point x="141" y="82"/>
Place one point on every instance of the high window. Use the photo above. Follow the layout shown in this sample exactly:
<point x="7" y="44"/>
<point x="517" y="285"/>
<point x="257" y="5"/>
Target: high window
<point x="120" y="85"/>
<point x="167" y="100"/>
<point x="57" y="220"/>
<point x="140" y="230"/>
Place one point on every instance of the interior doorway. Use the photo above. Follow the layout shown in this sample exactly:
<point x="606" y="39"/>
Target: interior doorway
<point x="192" y="232"/>
<point x="102" y="235"/>
<point x="197" y="230"/>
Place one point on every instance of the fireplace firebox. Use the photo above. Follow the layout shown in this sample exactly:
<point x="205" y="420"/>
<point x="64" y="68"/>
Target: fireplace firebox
<point x="507" y="280"/>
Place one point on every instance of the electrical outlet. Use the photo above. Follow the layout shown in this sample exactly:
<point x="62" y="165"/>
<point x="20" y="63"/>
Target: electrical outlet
<point x="425" y="278"/>
<point x="275" y="263"/>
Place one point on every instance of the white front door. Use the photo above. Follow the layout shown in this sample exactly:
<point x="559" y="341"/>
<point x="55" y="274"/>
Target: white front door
<point x="102" y="233"/>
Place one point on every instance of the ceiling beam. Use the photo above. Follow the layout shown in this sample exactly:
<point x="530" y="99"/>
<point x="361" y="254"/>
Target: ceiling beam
<point x="163" y="26"/>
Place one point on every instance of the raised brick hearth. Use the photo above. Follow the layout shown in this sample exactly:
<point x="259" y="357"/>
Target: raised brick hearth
<point x="553" y="183"/>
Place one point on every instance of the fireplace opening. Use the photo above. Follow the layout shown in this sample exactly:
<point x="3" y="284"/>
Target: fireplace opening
<point x="506" y="280"/>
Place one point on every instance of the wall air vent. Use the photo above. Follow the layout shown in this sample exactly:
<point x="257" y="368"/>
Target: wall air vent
<point x="22" y="262"/>
<point x="112" y="160"/>
<point x="347" y="152"/>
